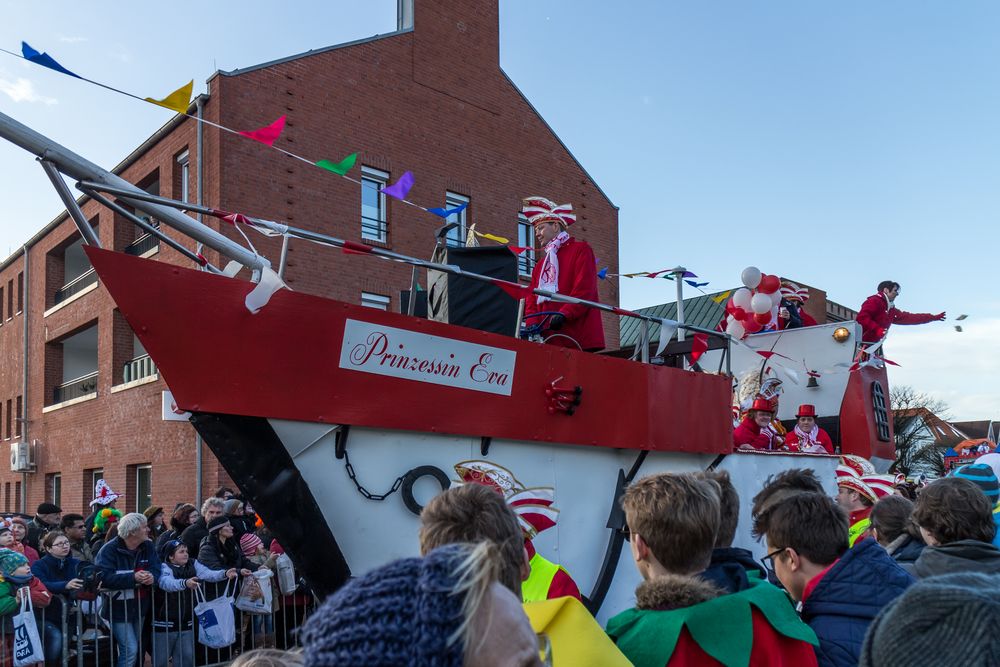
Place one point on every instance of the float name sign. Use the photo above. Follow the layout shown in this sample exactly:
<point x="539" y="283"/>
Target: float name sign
<point x="398" y="353"/>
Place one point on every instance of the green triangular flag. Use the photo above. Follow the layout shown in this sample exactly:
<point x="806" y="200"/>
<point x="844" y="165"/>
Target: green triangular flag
<point x="341" y="167"/>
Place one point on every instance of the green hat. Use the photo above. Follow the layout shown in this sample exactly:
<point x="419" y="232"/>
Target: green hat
<point x="11" y="560"/>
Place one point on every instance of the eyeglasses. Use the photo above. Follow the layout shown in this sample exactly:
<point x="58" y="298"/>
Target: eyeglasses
<point x="60" y="544"/>
<point x="768" y="560"/>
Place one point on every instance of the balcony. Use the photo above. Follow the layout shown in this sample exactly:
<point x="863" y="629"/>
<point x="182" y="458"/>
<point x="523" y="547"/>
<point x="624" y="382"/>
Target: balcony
<point x="77" y="388"/>
<point x="373" y="229"/>
<point x="147" y="243"/>
<point x="77" y="285"/>
<point x="138" y="368"/>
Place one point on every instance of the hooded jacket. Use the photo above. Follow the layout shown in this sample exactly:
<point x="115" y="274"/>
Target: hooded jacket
<point x="960" y="556"/>
<point x="905" y="550"/>
<point x="846" y="599"/>
<point x="731" y="569"/>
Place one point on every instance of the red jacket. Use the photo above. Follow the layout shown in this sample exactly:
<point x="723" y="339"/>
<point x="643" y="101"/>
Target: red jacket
<point x="792" y="440"/>
<point x="875" y="318"/>
<point x="748" y="433"/>
<point x="577" y="277"/>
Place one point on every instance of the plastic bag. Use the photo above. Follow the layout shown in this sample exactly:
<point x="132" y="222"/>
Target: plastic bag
<point x="255" y="593"/>
<point x="28" y="648"/>
<point x="286" y="575"/>
<point x="216" y="621"/>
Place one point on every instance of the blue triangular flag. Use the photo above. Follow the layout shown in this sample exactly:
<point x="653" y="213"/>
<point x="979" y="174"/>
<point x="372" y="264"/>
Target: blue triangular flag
<point x="603" y="273"/>
<point x="44" y="59"/>
<point x="694" y="284"/>
<point x="445" y="212"/>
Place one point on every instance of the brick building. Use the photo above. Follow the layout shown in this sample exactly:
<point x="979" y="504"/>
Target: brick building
<point x="429" y="97"/>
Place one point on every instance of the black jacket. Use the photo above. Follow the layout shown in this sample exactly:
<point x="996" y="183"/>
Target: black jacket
<point x="193" y="535"/>
<point x="960" y="556"/>
<point x="730" y="569"/>
<point x="216" y="555"/>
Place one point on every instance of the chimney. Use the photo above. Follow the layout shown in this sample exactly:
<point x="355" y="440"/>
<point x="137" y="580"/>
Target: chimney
<point x="404" y="14"/>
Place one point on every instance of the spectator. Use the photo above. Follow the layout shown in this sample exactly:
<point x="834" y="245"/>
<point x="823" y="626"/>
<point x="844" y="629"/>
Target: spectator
<point x="755" y="432"/>
<point x="730" y="567"/>
<point x="263" y="625"/>
<point x="16" y="582"/>
<point x="784" y="485"/>
<point x="104" y="498"/>
<point x="856" y="497"/>
<point x="807" y="436"/>
<point x="893" y="528"/>
<point x="57" y="570"/>
<point x="198" y="531"/>
<point x="72" y="525"/>
<point x="105" y="528"/>
<point x="224" y="493"/>
<point x="47" y="518"/>
<point x="127" y="565"/>
<point x="173" y="620"/>
<point x="185" y="514"/>
<point x="840" y="589"/>
<point x="879" y="312"/>
<point x="154" y="519"/>
<point x="956" y="522"/>
<point x="19" y="530"/>
<point x="448" y="610"/>
<point x="939" y="622"/>
<point x="235" y="512"/>
<point x="673" y="520"/>
<point x="219" y="551"/>
<point x="982" y="475"/>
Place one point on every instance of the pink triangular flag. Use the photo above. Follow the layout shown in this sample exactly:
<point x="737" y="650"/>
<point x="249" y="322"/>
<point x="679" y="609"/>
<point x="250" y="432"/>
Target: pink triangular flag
<point x="267" y="134"/>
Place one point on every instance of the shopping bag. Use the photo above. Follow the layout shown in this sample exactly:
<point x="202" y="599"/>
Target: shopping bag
<point x="255" y="593"/>
<point x="216" y="621"/>
<point x="27" y="646"/>
<point x="286" y="574"/>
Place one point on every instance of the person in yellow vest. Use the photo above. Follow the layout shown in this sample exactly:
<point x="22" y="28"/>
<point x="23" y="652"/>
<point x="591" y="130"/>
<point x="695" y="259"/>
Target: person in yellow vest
<point x="855" y="495"/>
<point x="547" y="580"/>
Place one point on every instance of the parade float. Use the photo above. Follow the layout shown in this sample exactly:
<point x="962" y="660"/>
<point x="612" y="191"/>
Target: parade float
<point x="339" y="421"/>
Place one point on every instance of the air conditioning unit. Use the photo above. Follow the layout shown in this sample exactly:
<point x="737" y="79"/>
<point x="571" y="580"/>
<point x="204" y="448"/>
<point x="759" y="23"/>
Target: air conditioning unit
<point x="22" y="456"/>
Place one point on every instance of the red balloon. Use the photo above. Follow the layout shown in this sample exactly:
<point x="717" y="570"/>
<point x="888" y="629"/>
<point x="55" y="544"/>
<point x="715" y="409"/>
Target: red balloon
<point x="739" y="313"/>
<point x="729" y="307"/>
<point x="752" y="326"/>
<point x="769" y="284"/>
<point x="762" y="318"/>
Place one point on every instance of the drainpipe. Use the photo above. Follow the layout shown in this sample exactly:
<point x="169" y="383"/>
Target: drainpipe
<point x="24" y="379"/>
<point x="198" y="463"/>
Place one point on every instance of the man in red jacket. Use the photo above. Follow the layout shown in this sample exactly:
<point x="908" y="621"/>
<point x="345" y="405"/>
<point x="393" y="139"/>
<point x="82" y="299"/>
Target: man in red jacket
<point x="879" y="312"/>
<point x="755" y="431"/>
<point x="567" y="267"/>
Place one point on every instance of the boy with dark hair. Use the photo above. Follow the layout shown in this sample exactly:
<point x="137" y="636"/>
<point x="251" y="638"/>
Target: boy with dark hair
<point x="839" y="590"/>
<point x="781" y="486"/>
<point x="681" y="619"/>
<point x="956" y="522"/>
<point x="730" y="567"/>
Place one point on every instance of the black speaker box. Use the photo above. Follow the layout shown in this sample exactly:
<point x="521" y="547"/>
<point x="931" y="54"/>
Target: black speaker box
<point x="473" y="303"/>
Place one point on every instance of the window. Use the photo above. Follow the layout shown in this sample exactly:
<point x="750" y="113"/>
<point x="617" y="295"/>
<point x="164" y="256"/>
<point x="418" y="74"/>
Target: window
<point x="456" y="236"/>
<point x="375" y="301"/>
<point x="6" y="496"/>
<point x="90" y="477"/>
<point x="53" y="486"/>
<point x="373" y="217"/>
<point x="18" y="417"/>
<point x="525" y="239"/>
<point x="10" y="298"/>
<point x="183" y="176"/>
<point x="20" y="292"/>
<point x="881" y="414"/>
<point x="17" y="496"/>
<point x="8" y="423"/>
<point x="143" y="487"/>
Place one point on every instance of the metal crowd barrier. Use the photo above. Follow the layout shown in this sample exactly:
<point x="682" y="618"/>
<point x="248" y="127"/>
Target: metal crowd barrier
<point x="91" y="634"/>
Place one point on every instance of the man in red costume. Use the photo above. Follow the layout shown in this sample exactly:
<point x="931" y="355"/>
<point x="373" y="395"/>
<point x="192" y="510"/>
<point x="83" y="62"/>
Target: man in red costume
<point x="879" y="312"/>
<point x="807" y="435"/>
<point x="567" y="267"/>
<point x="755" y="432"/>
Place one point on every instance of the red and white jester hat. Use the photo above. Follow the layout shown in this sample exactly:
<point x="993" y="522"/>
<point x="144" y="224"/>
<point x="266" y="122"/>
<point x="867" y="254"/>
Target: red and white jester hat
<point x="793" y="292"/>
<point x="540" y="209"/>
<point x="533" y="506"/>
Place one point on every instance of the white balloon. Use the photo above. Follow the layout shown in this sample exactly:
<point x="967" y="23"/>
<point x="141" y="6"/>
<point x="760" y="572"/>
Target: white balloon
<point x="735" y="329"/>
<point x="741" y="298"/>
<point x="751" y="277"/>
<point x="760" y="303"/>
<point x="775" y="298"/>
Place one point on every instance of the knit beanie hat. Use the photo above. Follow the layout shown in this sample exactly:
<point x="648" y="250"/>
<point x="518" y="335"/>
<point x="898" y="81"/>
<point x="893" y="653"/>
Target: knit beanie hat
<point x="982" y="475"/>
<point x="992" y="460"/>
<point x="920" y="626"/>
<point x="168" y="548"/>
<point x="232" y="505"/>
<point x="249" y="543"/>
<point x="10" y="561"/>
<point x="218" y="523"/>
<point x="399" y="614"/>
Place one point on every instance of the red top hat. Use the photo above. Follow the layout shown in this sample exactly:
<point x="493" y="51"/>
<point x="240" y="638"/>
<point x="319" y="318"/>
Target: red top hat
<point x="761" y="404"/>
<point x="806" y="411"/>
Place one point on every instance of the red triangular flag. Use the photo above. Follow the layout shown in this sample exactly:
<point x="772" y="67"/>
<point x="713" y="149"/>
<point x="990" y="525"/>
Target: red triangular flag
<point x="699" y="345"/>
<point x="267" y="134"/>
<point x="518" y="249"/>
<point x="515" y="291"/>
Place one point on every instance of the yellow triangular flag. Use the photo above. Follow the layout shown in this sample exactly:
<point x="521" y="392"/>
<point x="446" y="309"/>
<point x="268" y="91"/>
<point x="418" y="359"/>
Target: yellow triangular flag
<point x="178" y="101"/>
<point x="719" y="298"/>
<point x="491" y="237"/>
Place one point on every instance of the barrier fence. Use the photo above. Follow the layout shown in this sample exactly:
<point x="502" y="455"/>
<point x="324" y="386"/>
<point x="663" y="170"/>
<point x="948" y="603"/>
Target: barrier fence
<point x="148" y="626"/>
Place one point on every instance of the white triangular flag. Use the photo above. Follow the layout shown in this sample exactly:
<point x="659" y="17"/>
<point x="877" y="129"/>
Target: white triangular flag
<point x="269" y="283"/>
<point x="667" y="330"/>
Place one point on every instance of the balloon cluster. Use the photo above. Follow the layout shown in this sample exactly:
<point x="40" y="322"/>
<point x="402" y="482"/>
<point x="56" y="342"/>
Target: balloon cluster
<point x="755" y="306"/>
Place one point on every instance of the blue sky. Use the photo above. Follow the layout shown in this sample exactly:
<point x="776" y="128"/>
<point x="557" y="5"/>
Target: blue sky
<point x="837" y="143"/>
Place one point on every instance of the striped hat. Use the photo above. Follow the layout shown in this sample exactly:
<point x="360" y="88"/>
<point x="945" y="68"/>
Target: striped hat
<point x="847" y="478"/>
<point x="860" y="466"/>
<point x="539" y="209"/>
<point x="881" y="485"/>
<point x="982" y="476"/>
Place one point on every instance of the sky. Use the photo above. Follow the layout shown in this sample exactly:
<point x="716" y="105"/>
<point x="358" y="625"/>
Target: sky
<point x="840" y="144"/>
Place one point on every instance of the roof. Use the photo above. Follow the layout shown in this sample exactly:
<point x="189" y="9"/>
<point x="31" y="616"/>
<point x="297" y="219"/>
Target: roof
<point x="945" y="434"/>
<point x="700" y="311"/>
<point x="976" y="429"/>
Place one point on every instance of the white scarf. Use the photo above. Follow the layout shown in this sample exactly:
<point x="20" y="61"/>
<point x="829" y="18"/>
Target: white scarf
<point x="548" y="277"/>
<point x="808" y="442"/>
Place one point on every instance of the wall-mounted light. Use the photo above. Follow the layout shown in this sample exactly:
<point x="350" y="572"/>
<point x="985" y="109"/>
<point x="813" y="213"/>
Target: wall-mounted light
<point x="841" y="334"/>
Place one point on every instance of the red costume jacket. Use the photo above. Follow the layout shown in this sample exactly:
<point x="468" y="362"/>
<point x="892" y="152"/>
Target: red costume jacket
<point x="822" y="437"/>
<point x="577" y="277"/>
<point x="748" y="433"/>
<point x="875" y="318"/>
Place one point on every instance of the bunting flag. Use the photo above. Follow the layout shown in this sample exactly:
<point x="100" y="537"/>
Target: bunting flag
<point x="355" y="248"/>
<point x="339" y="168"/>
<point x="44" y="59"/>
<point x="445" y="212"/>
<point x="603" y="273"/>
<point x="400" y="188"/>
<point x="515" y="291"/>
<point x="499" y="239"/>
<point x="518" y="249"/>
<point x="267" y="134"/>
<point x="695" y="285"/>
<point x="178" y="101"/>
<point x="667" y="330"/>
<point x="262" y="292"/>
<point x="719" y="298"/>
<point x="699" y="345"/>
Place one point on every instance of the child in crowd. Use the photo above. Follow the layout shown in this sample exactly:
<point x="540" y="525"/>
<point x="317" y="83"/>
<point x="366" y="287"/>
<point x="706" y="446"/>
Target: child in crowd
<point x="17" y="582"/>
<point x="956" y="522"/>
<point x="263" y="624"/>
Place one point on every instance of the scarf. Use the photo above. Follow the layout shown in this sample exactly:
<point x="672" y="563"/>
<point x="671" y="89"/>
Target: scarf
<point x="548" y="277"/>
<point x="809" y="442"/>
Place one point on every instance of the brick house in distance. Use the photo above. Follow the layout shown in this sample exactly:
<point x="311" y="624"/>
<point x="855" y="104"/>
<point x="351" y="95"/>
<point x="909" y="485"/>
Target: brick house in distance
<point x="429" y="97"/>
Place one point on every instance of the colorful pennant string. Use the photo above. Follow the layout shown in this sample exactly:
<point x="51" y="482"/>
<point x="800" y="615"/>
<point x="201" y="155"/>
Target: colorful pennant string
<point x="518" y="249"/>
<point x="446" y="212"/>
<point x="699" y="345"/>
<point x="340" y="168"/>
<point x="603" y="273"/>
<point x="44" y="59"/>
<point x="400" y="188"/>
<point x="268" y="134"/>
<point x="719" y="298"/>
<point x="499" y="239"/>
<point x="178" y="101"/>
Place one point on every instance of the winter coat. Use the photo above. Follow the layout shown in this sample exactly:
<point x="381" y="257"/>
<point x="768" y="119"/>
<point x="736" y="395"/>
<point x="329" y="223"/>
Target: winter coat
<point x="216" y="555"/>
<point x="577" y="277"/>
<point x="905" y="550"/>
<point x="193" y="535"/>
<point x="173" y="610"/>
<point x="9" y="605"/>
<point x="37" y="529"/>
<point x="118" y="566"/>
<point x="822" y="437"/>
<point x="81" y="551"/>
<point x="732" y="568"/>
<point x="749" y="433"/>
<point x="678" y="621"/>
<point x="846" y="599"/>
<point x="960" y="556"/>
<point x="55" y="573"/>
<point x="875" y="318"/>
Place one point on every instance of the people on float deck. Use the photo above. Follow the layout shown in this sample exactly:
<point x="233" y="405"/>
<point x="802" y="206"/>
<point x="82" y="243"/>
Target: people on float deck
<point x="679" y="617"/>
<point x="855" y="495"/>
<point x="807" y="436"/>
<point x="840" y="590"/>
<point x="448" y="610"/>
<point x="791" y="309"/>
<point x="984" y="476"/>
<point x="879" y="312"/>
<point x="568" y="267"/>
<point x="754" y="432"/>
<point x="892" y="526"/>
<point x="956" y="521"/>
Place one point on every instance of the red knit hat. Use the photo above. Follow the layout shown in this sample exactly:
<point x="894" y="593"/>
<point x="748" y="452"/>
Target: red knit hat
<point x="249" y="543"/>
<point x="806" y="410"/>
